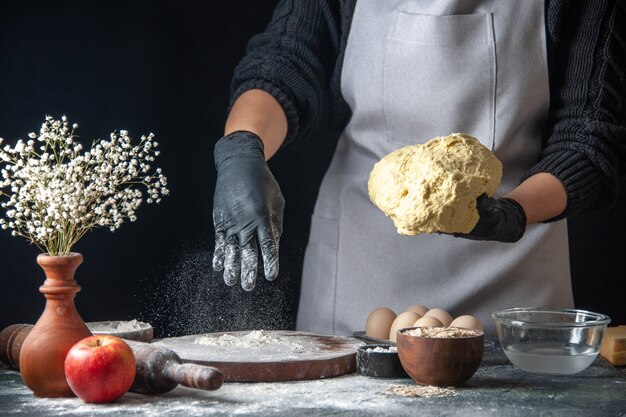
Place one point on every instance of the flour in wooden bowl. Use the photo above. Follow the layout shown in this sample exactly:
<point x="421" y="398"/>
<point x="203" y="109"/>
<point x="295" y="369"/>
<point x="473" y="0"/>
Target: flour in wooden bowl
<point x="442" y="332"/>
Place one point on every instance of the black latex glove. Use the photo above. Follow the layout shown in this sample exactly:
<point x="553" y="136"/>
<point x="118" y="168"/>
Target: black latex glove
<point x="501" y="219"/>
<point x="247" y="208"/>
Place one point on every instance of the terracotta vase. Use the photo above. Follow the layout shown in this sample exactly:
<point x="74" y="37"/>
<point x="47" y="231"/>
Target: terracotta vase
<point x="43" y="352"/>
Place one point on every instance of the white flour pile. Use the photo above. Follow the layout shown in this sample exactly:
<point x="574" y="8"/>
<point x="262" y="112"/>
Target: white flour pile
<point x="116" y="326"/>
<point x="256" y="338"/>
<point x="128" y="326"/>
<point x="384" y="349"/>
<point x="425" y="391"/>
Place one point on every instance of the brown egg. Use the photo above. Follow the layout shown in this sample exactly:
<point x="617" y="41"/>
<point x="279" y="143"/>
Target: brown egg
<point x="417" y="308"/>
<point x="428" y="321"/>
<point x="467" y="322"/>
<point x="379" y="322"/>
<point x="441" y="315"/>
<point x="405" y="319"/>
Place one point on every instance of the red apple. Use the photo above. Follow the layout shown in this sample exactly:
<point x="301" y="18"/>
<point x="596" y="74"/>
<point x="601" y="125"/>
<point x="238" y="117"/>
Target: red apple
<point x="100" y="369"/>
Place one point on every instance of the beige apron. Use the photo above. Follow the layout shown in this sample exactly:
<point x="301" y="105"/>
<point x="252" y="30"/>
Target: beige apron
<point x="414" y="70"/>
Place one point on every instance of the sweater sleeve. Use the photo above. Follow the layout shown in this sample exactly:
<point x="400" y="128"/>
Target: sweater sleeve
<point x="293" y="61"/>
<point x="586" y="131"/>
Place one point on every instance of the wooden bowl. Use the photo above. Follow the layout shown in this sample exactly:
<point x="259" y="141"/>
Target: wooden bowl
<point x="440" y="361"/>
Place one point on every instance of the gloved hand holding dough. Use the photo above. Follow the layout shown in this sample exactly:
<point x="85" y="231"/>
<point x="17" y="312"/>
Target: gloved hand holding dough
<point x="433" y="187"/>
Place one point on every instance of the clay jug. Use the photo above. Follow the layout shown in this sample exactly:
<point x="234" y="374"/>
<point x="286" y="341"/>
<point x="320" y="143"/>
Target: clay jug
<point x="43" y="352"/>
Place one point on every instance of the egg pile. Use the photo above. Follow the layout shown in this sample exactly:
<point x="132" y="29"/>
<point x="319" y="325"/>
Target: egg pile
<point x="383" y="323"/>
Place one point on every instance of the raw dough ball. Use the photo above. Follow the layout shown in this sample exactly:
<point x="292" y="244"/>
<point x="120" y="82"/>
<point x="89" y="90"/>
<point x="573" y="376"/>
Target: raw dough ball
<point x="433" y="187"/>
<point x="403" y="320"/>
<point x="379" y="322"/>
<point x="417" y="308"/>
<point x="442" y="315"/>
<point x="428" y="321"/>
<point x="467" y="322"/>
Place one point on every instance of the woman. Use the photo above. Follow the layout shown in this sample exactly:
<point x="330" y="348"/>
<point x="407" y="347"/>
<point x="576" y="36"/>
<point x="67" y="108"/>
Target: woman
<point x="538" y="82"/>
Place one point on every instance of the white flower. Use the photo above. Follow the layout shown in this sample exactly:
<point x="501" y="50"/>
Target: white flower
<point x="59" y="195"/>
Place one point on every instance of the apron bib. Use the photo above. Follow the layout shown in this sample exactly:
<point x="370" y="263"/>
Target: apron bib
<point x="414" y="70"/>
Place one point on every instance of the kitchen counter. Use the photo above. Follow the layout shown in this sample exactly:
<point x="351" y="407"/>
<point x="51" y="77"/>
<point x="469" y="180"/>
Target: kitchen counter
<point x="497" y="389"/>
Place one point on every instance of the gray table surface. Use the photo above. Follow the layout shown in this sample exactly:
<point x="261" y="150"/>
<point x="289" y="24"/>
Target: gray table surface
<point x="497" y="389"/>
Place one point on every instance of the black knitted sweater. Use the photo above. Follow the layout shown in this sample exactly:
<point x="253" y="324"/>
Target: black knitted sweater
<point x="298" y="60"/>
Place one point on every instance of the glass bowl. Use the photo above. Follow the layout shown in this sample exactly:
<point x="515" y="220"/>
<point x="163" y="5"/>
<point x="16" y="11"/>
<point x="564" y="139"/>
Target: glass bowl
<point x="550" y="341"/>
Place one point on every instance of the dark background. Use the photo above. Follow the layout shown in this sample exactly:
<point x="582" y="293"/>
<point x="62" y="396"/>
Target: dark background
<point x="165" y="67"/>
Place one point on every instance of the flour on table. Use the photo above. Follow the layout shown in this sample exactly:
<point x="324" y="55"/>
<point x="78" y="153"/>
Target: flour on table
<point x="255" y="338"/>
<point x="426" y="391"/>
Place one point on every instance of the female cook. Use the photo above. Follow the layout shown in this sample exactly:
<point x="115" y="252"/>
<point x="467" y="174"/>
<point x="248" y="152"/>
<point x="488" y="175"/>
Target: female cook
<point x="537" y="81"/>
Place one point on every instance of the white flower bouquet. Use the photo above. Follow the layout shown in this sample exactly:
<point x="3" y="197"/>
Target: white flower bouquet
<point x="52" y="194"/>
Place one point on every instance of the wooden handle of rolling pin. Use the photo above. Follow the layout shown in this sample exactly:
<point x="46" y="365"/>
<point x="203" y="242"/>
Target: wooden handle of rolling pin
<point x="159" y="369"/>
<point x="11" y="340"/>
<point x="195" y="376"/>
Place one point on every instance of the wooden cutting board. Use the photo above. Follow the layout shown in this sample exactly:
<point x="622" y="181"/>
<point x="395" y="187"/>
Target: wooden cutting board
<point x="278" y="355"/>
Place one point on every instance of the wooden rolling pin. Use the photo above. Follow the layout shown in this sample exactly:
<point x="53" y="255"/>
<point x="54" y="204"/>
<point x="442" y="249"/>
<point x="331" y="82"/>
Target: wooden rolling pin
<point x="159" y="369"/>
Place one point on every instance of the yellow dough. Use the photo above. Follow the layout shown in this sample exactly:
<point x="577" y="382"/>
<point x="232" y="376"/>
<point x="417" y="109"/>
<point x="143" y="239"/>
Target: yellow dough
<point x="433" y="187"/>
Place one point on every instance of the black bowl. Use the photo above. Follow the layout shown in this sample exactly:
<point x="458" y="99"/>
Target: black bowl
<point x="379" y="364"/>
